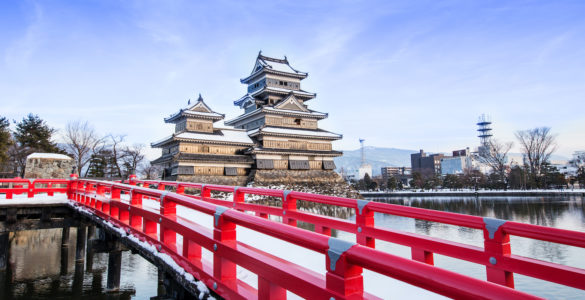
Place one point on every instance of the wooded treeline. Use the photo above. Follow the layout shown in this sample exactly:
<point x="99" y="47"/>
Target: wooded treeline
<point x="95" y="155"/>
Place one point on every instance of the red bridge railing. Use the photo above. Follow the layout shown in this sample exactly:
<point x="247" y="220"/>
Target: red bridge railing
<point x="17" y="186"/>
<point x="344" y="261"/>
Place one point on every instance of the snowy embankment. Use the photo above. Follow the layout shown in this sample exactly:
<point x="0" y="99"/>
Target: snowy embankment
<point x="472" y="192"/>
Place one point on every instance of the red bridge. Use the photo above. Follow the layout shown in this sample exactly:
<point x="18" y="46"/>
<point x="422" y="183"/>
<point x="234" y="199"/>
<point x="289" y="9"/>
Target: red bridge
<point x="182" y="239"/>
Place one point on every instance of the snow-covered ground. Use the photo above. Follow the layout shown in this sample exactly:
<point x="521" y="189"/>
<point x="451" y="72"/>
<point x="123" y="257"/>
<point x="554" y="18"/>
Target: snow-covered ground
<point x="58" y="198"/>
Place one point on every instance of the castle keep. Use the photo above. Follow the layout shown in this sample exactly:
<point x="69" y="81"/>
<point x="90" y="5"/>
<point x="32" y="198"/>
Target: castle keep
<point x="276" y="140"/>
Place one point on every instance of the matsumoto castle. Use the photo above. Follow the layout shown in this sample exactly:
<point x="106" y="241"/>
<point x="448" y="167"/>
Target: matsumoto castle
<point x="276" y="139"/>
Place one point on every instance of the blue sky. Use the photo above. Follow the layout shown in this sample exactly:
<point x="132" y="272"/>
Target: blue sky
<point x="403" y="74"/>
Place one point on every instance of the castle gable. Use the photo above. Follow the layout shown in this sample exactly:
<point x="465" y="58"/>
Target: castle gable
<point x="291" y="103"/>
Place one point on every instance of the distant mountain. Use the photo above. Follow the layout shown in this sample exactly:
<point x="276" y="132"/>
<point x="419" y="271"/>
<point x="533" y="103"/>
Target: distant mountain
<point x="378" y="157"/>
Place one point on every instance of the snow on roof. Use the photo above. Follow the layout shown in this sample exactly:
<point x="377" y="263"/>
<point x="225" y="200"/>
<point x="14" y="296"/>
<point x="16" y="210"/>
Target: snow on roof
<point x="228" y="135"/>
<point x="48" y="155"/>
<point x="312" y="113"/>
<point x="291" y="131"/>
<point x="277" y="64"/>
<point x="201" y="113"/>
<point x="270" y="88"/>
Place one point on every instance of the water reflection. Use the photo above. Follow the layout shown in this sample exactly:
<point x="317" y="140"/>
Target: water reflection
<point x="39" y="268"/>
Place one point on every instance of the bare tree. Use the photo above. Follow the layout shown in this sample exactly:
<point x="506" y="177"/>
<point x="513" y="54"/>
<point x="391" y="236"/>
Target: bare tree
<point x="17" y="154"/>
<point x="132" y="156"/>
<point x="150" y="171"/>
<point x="116" y="146"/>
<point x="496" y="156"/>
<point x="537" y="145"/>
<point x="81" y="141"/>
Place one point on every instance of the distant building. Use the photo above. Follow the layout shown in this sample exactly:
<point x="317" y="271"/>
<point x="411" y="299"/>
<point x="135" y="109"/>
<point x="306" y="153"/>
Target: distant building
<point x="456" y="164"/>
<point x="388" y="172"/>
<point x="363" y="170"/>
<point x="402" y="174"/>
<point x="424" y="164"/>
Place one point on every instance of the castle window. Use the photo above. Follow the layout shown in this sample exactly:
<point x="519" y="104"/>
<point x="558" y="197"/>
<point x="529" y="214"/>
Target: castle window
<point x="281" y="83"/>
<point x="298" y="121"/>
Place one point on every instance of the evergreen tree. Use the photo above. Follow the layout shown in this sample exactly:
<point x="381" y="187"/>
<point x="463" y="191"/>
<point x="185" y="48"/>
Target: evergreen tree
<point x="5" y="139"/>
<point x="97" y="166"/>
<point x="34" y="134"/>
<point x="392" y="183"/>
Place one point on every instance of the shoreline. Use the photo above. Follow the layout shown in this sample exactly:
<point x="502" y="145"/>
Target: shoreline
<point x="472" y="193"/>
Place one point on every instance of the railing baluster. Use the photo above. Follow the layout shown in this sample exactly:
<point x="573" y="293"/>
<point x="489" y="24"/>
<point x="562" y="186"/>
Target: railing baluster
<point x="50" y="186"/>
<point x="269" y="290"/>
<point x="422" y="256"/>
<point x="322" y="229"/>
<point x="191" y="250"/>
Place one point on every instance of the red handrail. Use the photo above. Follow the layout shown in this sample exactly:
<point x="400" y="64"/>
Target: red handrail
<point x="344" y="275"/>
<point x="495" y="255"/>
<point x="16" y="186"/>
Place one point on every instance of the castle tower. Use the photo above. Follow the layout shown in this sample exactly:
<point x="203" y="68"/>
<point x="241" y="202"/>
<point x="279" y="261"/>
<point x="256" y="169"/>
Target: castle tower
<point x="289" y="145"/>
<point x="201" y="151"/>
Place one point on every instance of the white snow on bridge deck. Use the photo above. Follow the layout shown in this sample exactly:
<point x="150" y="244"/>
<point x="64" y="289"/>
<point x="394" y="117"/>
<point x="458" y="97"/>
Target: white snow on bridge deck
<point x="58" y="198"/>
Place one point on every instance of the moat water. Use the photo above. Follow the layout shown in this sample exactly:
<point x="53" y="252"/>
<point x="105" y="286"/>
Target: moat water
<point x="40" y="269"/>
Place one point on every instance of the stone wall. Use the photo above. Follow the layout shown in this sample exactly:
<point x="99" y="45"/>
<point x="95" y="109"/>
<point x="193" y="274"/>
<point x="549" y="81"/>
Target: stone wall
<point x="324" y="182"/>
<point x="48" y="165"/>
<point x="214" y="179"/>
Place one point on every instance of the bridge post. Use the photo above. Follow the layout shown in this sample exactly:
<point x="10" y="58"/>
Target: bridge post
<point x="71" y="186"/>
<point x="113" y="211"/>
<point x="288" y="204"/>
<point x="342" y="277"/>
<point x="4" y="249"/>
<point x="89" y="249"/>
<point x="497" y="244"/>
<point x="80" y="245"/>
<point x="224" y="232"/>
<point x="65" y="237"/>
<point x="168" y="208"/>
<point x="114" y="270"/>
<point x="77" y="285"/>
<point x="364" y="219"/>
<point x="132" y="179"/>
<point x="136" y="201"/>
<point x="64" y="260"/>
<point x="101" y="192"/>
<point x="50" y="186"/>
